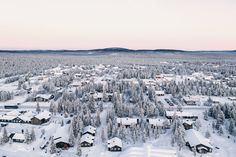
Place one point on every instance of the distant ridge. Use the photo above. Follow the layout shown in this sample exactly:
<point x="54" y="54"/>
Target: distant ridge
<point x="112" y="50"/>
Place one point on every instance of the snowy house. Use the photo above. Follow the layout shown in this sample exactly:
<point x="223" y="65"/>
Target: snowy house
<point x="232" y="98"/>
<point x="188" y="124"/>
<point x="195" y="140"/>
<point x="159" y="123"/>
<point x="43" y="97"/>
<point x="61" y="138"/>
<point x="6" y="118"/>
<point x="75" y="84"/>
<point x="149" y="82"/>
<point x="193" y="101"/>
<point x="89" y="130"/>
<point x="183" y="114"/>
<point x="159" y="93"/>
<point x="41" y="118"/>
<point x="87" y="140"/>
<point x="18" y="137"/>
<point x="114" y="144"/>
<point x="77" y="75"/>
<point x="98" y="96"/>
<point x="127" y="121"/>
<point x="26" y="117"/>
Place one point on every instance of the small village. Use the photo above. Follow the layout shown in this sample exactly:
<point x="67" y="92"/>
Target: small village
<point x="123" y="111"/>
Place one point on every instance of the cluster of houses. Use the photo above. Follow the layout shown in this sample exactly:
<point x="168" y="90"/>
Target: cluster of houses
<point x="30" y="117"/>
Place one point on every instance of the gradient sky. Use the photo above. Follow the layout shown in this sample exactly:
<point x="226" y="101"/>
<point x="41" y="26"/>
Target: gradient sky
<point x="137" y="24"/>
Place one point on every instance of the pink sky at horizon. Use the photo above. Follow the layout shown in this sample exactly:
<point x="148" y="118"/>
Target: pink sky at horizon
<point x="135" y="24"/>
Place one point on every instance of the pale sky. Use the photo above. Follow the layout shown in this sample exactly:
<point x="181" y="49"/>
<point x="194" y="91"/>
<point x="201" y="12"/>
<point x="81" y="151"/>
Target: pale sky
<point x="136" y="24"/>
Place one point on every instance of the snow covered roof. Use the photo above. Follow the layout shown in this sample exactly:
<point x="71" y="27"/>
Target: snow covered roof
<point x="178" y="113"/>
<point x="232" y="98"/>
<point x="87" y="138"/>
<point x="45" y="96"/>
<point x="6" y="117"/>
<point x="127" y="121"/>
<point x="97" y="95"/>
<point x="43" y="115"/>
<point x="114" y="142"/>
<point x="194" y="138"/>
<point x="156" y="121"/>
<point x="188" y="121"/>
<point x="159" y="92"/>
<point x="191" y="98"/>
<point x="62" y="134"/>
<point x="89" y="129"/>
<point x="148" y="151"/>
<point x="13" y="113"/>
<point x="27" y="116"/>
<point x="76" y="83"/>
<point x="18" y="136"/>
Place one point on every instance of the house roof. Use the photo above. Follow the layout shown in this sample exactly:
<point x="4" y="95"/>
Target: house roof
<point x="156" y="121"/>
<point x="179" y="114"/>
<point x="194" y="138"/>
<point x="114" y="142"/>
<point x="191" y="99"/>
<point x="18" y="136"/>
<point x="13" y="113"/>
<point x="6" y="117"/>
<point x="87" y="138"/>
<point x="127" y="121"/>
<point x="27" y="116"/>
<point x="61" y="134"/>
<point x="159" y="92"/>
<point x="43" y="115"/>
<point x="188" y="121"/>
<point x="44" y="96"/>
<point x="89" y="129"/>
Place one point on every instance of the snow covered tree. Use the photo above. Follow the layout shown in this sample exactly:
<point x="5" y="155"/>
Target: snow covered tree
<point x="32" y="134"/>
<point x="71" y="138"/>
<point x="5" y="137"/>
<point x="52" y="148"/>
<point x="205" y="115"/>
<point x="78" y="149"/>
<point x="179" y="108"/>
<point x="38" y="108"/>
<point x="98" y="120"/>
<point x="231" y="126"/>
<point x="27" y="136"/>
<point x="197" y="124"/>
<point x="207" y="135"/>
<point x="220" y="131"/>
<point x="103" y="136"/>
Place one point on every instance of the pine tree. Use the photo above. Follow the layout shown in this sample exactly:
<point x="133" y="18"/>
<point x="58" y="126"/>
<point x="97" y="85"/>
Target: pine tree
<point x="52" y="146"/>
<point x="5" y="137"/>
<point x="231" y="126"/>
<point x="220" y="131"/>
<point x="207" y="135"/>
<point x="71" y="138"/>
<point x="98" y="120"/>
<point x="205" y="115"/>
<point x="198" y="124"/>
<point x="103" y="137"/>
<point x="38" y="108"/>
<point x="33" y="137"/>
<point x="78" y="150"/>
<point x="27" y="137"/>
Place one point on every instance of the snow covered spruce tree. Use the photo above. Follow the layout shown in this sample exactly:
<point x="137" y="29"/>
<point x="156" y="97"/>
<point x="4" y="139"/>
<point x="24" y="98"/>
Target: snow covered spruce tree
<point x="52" y="148"/>
<point x="5" y="137"/>
<point x="78" y="149"/>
